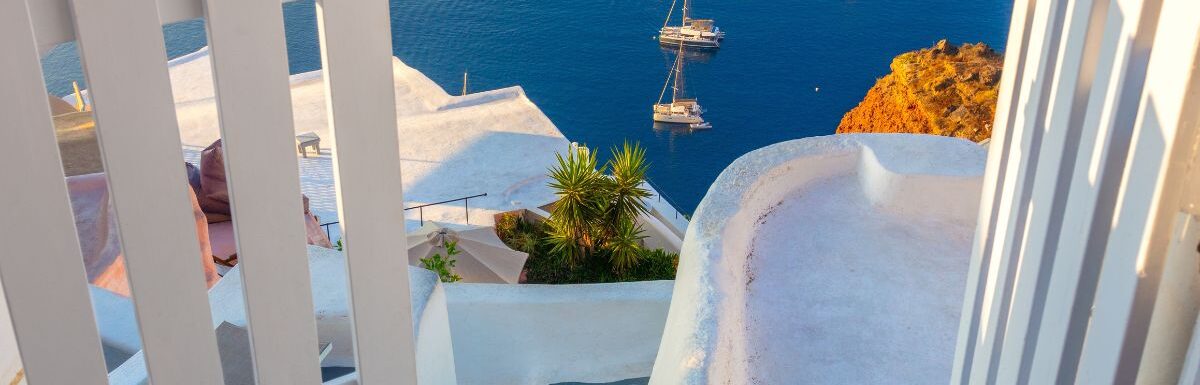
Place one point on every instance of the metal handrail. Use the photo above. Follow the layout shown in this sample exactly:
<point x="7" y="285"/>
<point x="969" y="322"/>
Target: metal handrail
<point x="421" y="210"/>
<point x="663" y="196"/>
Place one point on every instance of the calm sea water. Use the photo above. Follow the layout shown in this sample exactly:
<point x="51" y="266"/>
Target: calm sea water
<point x="595" y="69"/>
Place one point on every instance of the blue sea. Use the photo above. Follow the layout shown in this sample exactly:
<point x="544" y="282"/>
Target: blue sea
<point x="595" y="70"/>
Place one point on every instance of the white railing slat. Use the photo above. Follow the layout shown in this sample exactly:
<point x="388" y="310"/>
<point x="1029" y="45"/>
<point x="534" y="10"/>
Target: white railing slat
<point x="356" y="54"/>
<point x="41" y="268"/>
<point x="1059" y="303"/>
<point x="121" y="46"/>
<point x="999" y="155"/>
<point x="1061" y="122"/>
<point x="250" y="69"/>
<point x="1088" y="214"/>
<point x="1017" y="186"/>
<point x="1149" y="199"/>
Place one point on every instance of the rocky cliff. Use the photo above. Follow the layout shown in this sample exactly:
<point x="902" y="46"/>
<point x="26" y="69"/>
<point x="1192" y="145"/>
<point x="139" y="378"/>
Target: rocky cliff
<point x="944" y="90"/>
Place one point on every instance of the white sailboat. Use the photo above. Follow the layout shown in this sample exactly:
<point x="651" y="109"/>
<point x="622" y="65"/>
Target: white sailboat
<point x="691" y="33"/>
<point x="679" y="110"/>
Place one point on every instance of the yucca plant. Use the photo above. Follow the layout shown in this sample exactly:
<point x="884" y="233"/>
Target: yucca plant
<point x="579" y="186"/>
<point x="595" y="211"/>
<point x="628" y="167"/>
<point x="625" y="245"/>
<point x="564" y="243"/>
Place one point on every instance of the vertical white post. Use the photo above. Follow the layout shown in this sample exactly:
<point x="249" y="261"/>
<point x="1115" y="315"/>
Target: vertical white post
<point x="250" y="69"/>
<point x="1077" y="50"/>
<point x="1100" y="163"/>
<point x="1161" y="149"/>
<point x="1086" y="27"/>
<point x="998" y="159"/>
<point x="356" y="53"/>
<point x="41" y="268"/>
<point x="1018" y="182"/>
<point x="121" y="46"/>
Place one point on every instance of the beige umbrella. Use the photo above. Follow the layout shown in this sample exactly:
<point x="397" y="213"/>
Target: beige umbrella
<point x="482" y="257"/>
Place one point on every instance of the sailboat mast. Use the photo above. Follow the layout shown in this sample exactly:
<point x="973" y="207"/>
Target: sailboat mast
<point x="687" y="10"/>
<point x="678" y="74"/>
<point x="666" y="83"/>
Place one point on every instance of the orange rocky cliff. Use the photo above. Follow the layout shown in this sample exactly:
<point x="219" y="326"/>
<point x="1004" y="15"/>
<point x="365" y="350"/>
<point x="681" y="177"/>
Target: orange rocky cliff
<point x="944" y="90"/>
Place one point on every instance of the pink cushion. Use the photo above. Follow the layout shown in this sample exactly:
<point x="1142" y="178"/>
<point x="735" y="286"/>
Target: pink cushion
<point x="220" y="236"/>
<point x="95" y="221"/>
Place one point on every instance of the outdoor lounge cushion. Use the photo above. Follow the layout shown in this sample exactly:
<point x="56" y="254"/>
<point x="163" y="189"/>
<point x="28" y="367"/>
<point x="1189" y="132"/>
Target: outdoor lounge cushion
<point x="214" y="193"/>
<point x="95" y="221"/>
<point x="214" y="200"/>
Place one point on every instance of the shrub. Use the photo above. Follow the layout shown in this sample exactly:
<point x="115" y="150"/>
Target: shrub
<point x="657" y="264"/>
<point x="506" y="225"/>
<point x="526" y="241"/>
<point x="444" y="267"/>
<point x="546" y="268"/>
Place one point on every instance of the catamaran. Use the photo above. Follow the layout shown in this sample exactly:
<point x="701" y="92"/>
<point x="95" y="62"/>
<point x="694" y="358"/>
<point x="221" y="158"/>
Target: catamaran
<point x="679" y="110"/>
<point x="692" y="33"/>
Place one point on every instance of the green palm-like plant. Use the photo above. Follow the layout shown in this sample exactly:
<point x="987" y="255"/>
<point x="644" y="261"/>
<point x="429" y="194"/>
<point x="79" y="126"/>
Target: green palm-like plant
<point x="578" y="185"/>
<point x="625" y="246"/>
<point x="563" y="242"/>
<point x="628" y="167"/>
<point x="595" y="211"/>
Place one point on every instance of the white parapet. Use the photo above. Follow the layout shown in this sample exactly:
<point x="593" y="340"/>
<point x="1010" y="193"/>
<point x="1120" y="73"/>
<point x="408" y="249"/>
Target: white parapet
<point x="502" y="334"/>
<point x="545" y="334"/>
<point x="837" y="259"/>
<point x="434" y="354"/>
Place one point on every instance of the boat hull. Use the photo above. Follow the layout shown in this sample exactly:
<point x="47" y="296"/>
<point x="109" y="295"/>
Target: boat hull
<point x="674" y="41"/>
<point x="677" y="119"/>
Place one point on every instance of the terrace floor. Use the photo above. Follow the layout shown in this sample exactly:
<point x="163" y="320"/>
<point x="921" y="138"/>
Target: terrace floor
<point x="837" y="260"/>
<point x="495" y="142"/>
<point x="872" y="297"/>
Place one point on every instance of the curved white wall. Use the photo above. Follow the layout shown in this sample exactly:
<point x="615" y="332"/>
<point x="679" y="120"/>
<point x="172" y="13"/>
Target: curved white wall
<point x="545" y="334"/>
<point x="931" y="180"/>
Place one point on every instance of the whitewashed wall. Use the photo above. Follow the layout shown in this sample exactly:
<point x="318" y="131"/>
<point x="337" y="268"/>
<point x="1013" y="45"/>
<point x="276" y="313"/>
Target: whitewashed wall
<point x="434" y="354"/>
<point x="545" y="334"/>
<point x="659" y="234"/>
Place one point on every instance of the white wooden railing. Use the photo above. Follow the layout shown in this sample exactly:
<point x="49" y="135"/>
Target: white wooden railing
<point x="122" y="49"/>
<point x="1090" y="192"/>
